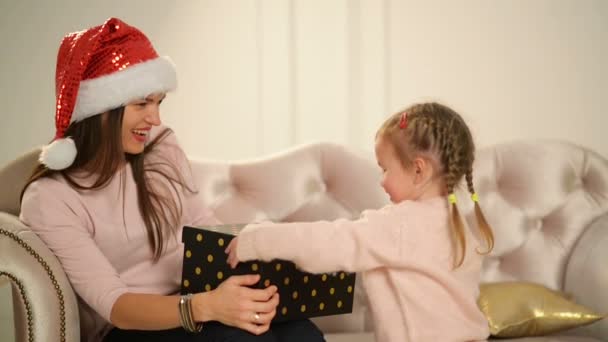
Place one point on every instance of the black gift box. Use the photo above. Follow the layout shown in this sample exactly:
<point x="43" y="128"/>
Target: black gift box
<point x="301" y="294"/>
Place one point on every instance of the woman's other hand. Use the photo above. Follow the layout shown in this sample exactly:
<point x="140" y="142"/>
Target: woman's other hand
<point x="231" y="251"/>
<point x="234" y="303"/>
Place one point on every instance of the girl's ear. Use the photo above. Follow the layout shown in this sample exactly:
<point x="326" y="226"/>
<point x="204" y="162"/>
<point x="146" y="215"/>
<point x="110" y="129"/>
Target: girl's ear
<point x="422" y="170"/>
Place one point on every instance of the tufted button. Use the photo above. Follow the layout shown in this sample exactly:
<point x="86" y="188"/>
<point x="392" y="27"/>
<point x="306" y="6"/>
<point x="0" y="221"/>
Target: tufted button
<point x="593" y="183"/>
<point x="570" y="180"/>
<point x="537" y="224"/>
<point x="314" y="185"/>
<point x="223" y="188"/>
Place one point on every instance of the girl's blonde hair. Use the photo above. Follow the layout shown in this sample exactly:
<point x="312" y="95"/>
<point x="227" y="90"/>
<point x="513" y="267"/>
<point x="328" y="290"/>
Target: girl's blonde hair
<point x="437" y="131"/>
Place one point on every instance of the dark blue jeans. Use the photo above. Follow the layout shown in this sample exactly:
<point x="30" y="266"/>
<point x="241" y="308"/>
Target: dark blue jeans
<point x="293" y="331"/>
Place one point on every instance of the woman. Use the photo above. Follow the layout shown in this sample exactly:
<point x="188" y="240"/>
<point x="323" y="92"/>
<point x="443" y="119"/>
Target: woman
<point x="113" y="191"/>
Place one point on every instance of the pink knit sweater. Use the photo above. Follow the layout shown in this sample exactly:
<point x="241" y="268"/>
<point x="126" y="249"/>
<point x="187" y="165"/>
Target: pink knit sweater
<point x="104" y="249"/>
<point x="405" y="255"/>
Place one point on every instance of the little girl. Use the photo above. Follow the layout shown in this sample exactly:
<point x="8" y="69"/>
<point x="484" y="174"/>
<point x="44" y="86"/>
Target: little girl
<point x="419" y="264"/>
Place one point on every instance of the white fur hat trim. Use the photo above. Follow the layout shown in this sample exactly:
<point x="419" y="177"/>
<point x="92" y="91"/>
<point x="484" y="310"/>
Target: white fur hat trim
<point x="59" y="154"/>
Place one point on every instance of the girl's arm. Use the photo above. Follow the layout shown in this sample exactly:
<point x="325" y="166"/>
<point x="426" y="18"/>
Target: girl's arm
<point x="316" y="247"/>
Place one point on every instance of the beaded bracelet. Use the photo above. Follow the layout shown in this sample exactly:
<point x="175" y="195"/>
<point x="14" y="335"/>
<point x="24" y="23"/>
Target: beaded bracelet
<point x="185" y="315"/>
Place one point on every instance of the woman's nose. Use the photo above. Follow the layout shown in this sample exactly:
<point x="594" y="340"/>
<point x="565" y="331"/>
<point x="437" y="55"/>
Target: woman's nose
<point x="153" y="116"/>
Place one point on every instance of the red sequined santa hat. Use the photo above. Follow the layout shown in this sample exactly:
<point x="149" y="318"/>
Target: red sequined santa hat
<point x="99" y="69"/>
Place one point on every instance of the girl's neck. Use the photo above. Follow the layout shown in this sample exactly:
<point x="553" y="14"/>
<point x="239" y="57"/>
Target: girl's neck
<point x="435" y="188"/>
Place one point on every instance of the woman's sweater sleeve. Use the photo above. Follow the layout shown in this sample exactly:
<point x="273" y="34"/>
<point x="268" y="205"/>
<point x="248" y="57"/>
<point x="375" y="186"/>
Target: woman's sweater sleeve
<point x="52" y="210"/>
<point x="323" y="246"/>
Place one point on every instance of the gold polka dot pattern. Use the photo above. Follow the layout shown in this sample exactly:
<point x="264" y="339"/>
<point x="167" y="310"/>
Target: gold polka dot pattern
<point x="303" y="295"/>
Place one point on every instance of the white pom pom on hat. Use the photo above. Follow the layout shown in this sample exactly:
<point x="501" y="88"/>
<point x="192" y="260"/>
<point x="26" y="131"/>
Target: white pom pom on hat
<point x="59" y="154"/>
<point x="99" y="69"/>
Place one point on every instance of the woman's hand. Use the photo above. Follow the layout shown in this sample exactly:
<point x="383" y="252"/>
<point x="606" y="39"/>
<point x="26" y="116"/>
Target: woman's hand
<point x="233" y="260"/>
<point x="233" y="303"/>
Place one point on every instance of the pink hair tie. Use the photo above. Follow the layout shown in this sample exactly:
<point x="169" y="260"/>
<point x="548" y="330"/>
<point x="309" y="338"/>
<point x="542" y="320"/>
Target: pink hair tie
<point x="403" y="121"/>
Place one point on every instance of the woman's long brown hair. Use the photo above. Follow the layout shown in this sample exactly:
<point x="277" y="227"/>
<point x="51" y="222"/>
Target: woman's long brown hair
<point x="100" y="155"/>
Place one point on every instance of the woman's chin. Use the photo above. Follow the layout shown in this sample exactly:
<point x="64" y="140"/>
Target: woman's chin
<point x="134" y="149"/>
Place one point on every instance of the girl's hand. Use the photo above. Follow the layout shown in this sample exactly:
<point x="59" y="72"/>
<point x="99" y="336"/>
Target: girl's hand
<point x="231" y="251"/>
<point x="233" y="303"/>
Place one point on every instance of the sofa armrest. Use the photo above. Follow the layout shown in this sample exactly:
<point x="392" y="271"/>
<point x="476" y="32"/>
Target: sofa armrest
<point x="45" y="307"/>
<point x="586" y="276"/>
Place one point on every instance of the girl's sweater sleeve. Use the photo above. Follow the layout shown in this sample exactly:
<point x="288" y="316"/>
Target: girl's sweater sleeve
<point x="367" y="243"/>
<point x="52" y="210"/>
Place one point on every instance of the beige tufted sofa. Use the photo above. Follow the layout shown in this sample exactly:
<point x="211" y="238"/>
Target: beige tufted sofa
<point x="547" y="201"/>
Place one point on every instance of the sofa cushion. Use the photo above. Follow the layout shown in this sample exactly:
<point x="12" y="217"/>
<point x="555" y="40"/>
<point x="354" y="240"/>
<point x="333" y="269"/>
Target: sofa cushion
<point x="521" y="309"/>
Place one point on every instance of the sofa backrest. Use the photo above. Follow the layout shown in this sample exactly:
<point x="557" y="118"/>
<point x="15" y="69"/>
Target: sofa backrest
<point x="309" y="182"/>
<point x="539" y="197"/>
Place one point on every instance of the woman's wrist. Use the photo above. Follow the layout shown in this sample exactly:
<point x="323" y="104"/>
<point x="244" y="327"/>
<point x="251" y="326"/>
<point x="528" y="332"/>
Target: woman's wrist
<point x="202" y="309"/>
<point x="186" y="316"/>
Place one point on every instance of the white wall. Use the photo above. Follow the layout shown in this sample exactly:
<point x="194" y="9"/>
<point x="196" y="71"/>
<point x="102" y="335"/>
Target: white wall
<point x="257" y="76"/>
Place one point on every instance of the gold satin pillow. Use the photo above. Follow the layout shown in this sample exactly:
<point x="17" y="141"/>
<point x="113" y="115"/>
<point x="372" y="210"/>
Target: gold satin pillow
<point x="520" y="309"/>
